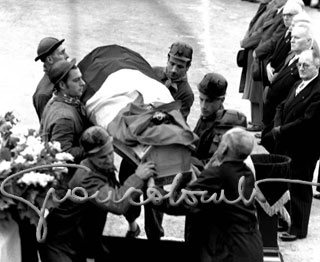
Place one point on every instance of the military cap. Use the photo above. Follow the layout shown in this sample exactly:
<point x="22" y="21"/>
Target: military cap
<point x="213" y="85"/>
<point x="181" y="51"/>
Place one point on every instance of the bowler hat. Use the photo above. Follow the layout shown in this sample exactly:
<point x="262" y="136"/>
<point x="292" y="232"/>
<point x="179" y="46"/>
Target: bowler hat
<point x="181" y="51"/>
<point x="60" y="69"/>
<point x="213" y="85"/>
<point x="46" y="46"/>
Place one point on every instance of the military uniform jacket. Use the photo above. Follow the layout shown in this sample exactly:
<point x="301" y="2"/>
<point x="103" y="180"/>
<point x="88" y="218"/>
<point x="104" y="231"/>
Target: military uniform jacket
<point x="42" y="95"/>
<point x="183" y="92"/>
<point x="64" y="123"/>
<point x="68" y="222"/>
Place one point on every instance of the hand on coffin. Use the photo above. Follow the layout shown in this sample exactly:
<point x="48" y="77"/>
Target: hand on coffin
<point x="146" y="170"/>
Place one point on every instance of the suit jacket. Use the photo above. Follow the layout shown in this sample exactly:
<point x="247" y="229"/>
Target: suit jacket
<point x="221" y="232"/>
<point x="281" y="51"/>
<point x="282" y="83"/>
<point x="299" y="118"/>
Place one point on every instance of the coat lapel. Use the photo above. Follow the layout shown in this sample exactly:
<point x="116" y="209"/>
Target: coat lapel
<point x="293" y="99"/>
<point x="284" y="71"/>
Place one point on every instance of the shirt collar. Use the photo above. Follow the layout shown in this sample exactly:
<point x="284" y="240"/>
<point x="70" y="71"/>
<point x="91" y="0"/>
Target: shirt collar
<point x="305" y="83"/>
<point x="67" y="99"/>
<point x="174" y="83"/>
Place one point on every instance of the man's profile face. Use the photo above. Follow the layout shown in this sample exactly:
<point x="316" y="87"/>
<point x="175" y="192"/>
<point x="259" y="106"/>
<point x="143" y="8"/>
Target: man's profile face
<point x="103" y="159"/>
<point x="75" y="83"/>
<point x="59" y="54"/>
<point x="299" y="39"/>
<point x="209" y="106"/>
<point x="176" y="68"/>
<point x="307" y="66"/>
<point x="287" y="19"/>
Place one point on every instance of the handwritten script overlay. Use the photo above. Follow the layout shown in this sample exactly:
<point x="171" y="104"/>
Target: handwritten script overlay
<point x="153" y="195"/>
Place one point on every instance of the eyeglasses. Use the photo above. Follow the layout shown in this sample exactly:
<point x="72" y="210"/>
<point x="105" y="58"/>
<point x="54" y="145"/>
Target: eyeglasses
<point x="303" y="65"/>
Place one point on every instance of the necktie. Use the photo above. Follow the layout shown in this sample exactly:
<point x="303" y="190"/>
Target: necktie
<point x="287" y="36"/>
<point x="299" y="88"/>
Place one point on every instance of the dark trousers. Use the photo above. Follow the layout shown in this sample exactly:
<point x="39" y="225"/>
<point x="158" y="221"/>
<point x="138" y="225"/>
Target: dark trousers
<point x="302" y="168"/>
<point x="29" y="243"/>
<point x="53" y="252"/>
<point x="256" y="114"/>
<point x="152" y="218"/>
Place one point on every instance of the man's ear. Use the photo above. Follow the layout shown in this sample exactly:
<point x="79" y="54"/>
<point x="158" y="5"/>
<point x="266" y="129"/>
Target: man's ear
<point x="62" y="85"/>
<point x="222" y="149"/>
<point x="49" y="60"/>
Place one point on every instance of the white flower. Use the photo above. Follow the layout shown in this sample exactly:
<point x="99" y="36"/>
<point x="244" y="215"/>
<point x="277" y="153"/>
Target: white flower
<point x="34" y="147"/>
<point x="63" y="156"/>
<point x="20" y="160"/>
<point x="5" y="165"/>
<point x="36" y="178"/>
<point x="55" y="145"/>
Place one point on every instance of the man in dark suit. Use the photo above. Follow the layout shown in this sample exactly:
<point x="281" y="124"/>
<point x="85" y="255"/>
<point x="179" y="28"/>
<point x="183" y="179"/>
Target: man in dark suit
<point x="278" y="53"/>
<point x="296" y="132"/>
<point x="282" y="81"/>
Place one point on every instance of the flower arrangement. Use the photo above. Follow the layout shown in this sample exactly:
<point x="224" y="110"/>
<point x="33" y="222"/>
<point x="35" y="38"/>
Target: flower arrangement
<point x="20" y="151"/>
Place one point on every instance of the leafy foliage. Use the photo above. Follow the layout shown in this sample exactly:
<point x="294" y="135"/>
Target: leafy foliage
<point x="21" y="150"/>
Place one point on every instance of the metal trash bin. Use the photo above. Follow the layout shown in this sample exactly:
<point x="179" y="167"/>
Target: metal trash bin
<point x="271" y="166"/>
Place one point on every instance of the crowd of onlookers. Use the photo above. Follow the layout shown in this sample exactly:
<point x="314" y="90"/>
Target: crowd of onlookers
<point x="281" y="79"/>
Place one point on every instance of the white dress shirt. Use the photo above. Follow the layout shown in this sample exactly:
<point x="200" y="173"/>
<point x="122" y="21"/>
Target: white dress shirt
<point x="303" y="84"/>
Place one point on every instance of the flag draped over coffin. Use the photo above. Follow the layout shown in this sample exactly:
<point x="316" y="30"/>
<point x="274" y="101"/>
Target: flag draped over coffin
<point x="117" y="76"/>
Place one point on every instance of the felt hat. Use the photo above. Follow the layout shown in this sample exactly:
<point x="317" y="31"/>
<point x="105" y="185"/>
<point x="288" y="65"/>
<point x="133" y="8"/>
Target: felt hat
<point x="46" y="46"/>
<point x="229" y="118"/>
<point x="94" y="139"/>
<point x="60" y="69"/>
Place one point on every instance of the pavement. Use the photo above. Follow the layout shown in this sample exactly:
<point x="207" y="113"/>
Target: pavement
<point x="213" y="27"/>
